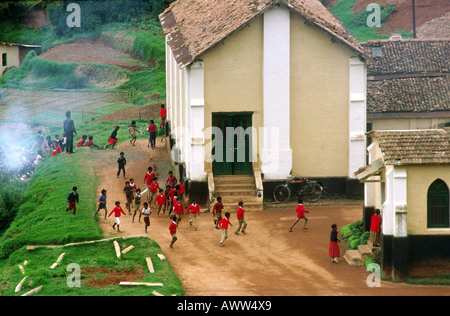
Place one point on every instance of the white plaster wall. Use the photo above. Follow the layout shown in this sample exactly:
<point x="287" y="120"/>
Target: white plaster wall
<point x="276" y="156"/>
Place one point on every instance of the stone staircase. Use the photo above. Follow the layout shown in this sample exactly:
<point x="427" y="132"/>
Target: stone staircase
<point x="233" y="189"/>
<point x="356" y="257"/>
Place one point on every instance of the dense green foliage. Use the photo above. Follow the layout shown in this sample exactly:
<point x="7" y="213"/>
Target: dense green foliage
<point x="11" y="192"/>
<point x="354" y="235"/>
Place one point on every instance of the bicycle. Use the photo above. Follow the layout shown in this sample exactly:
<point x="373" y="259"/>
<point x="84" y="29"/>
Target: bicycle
<point x="308" y="190"/>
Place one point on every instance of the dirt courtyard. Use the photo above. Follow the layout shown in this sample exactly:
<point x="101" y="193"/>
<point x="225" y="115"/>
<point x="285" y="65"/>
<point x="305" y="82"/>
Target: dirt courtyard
<point x="267" y="261"/>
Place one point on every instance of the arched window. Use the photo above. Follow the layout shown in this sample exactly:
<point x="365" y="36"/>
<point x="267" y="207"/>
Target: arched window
<point x="438" y="206"/>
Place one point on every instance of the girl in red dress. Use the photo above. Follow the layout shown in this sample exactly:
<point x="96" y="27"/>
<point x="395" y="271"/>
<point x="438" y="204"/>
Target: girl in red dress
<point x="333" y="250"/>
<point x="112" y="140"/>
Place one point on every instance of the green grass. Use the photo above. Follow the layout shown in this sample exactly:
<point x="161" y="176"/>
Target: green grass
<point x="100" y="258"/>
<point x="355" y="23"/>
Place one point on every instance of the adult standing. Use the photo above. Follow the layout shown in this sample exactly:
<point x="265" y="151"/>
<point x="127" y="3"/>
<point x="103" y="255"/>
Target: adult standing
<point x="69" y="130"/>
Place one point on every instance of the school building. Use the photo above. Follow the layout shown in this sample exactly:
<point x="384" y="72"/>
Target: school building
<point x="259" y="90"/>
<point x="12" y="54"/>
<point x="408" y="178"/>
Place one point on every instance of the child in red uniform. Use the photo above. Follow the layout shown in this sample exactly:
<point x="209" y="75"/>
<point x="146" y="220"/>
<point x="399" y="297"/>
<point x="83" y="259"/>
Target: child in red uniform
<point x="223" y="224"/>
<point x="58" y="149"/>
<point x="171" y="180"/>
<point x="117" y="212"/>
<point x="148" y="178"/>
<point x="333" y="250"/>
<point x="154" y="187"/>
<point x="82" y="141"/>
<point x="90" y="142"/>
<point x="173" y="230"/>
<point x="161" y="200"/>
<point x="72" y="200"/>
<point x="177" y="208"/>
<point x="152" y="129"/>
<point x="375" y="224"/>
<point x="194" y="209"/>
<point x="163" y="115"/>
<point x="241" y="220"/>
<point x="217" y="211"/>
<point x="300" y="214"/>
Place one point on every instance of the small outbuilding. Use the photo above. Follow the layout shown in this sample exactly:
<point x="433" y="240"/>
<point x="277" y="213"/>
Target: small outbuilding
<point x="13" y="54"/>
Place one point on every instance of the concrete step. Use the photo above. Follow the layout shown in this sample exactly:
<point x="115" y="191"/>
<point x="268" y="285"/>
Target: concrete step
<point x="235" y="193"/>
<point x="233" y="186"/>
<point x="233" y="180"/>
<point x="354" y="258"/>
<point x="364" y="250"/>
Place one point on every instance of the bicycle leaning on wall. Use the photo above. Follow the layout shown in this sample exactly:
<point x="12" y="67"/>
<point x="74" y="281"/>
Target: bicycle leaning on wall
<point x="307" y="190"/>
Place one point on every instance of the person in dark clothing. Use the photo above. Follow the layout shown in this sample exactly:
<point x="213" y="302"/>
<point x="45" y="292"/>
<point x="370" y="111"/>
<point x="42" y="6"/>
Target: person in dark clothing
<point x="333" y="249"/>
<point x="121" y="161"/>
<point x="69" y="130"/>
<point x="112" y="140"/>
<point x="72" y="200"/>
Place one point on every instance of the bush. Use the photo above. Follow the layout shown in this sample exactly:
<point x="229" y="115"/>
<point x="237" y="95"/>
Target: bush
<point x="354" y="235"/>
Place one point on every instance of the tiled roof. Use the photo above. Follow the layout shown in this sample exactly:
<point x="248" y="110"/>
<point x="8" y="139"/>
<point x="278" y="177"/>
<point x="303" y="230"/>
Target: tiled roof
<point x="413" y="146"/>
<point x="194" y="26"/>
<point x="412" y="95"/>
<point x="410" y="56"/>
<point x="408" y="76"/>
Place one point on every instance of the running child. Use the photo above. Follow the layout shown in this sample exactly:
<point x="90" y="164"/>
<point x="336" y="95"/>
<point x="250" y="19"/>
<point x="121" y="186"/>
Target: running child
<point x="177" y="208"/>
<point x="146" y="211"/>
<point x="112" y="140"/>
<point x="161" y="200"/>
<point x="194" y="209"/>
<point x="171" y="180"/>
<point x="223" y="224"/>
<point x="300" y="215"/>
<point x="148" y="178"/>
<point x="241" y="219"/>
<point x="117" y="212"/>
<point x="129" y="195"/>
<point x="137" y="203"/>
<point x="173" y="230"/>
<point x="132" y="129"/>
<point x="72" y="200"/>
<point x="217" y="211"/>
<point x="102" y="203"/>
<point x="154" y="187"/>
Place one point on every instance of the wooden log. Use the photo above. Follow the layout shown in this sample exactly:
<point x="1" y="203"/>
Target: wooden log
<point x="156" y="293"/>
<point x="21" y="269"/>
<point x="150" y="265"/>
<point x="161" y="257"/>
<point x="61" y="256"/>
<point x="117" y="247"/>
<point x="19" y="286"/>
<point x="139" y="284"/>
<point x="33" y="291"/>
<point x="127" y="249"/>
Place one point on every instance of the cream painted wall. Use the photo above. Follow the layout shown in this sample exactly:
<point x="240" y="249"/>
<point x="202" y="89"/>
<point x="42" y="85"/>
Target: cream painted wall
<point x="12" y="57"/>
<point x="233" y="78"/>
<point x="407" y="124"/>
<point x="419" y="180"/>
<point x="319" y="102"/>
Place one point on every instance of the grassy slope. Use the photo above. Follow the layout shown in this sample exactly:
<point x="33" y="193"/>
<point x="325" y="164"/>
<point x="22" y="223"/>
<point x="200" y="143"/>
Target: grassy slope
<point x="344" y="11"/>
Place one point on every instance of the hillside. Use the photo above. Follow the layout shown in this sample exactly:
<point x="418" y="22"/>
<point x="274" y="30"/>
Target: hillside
<point x="432" y="16"/>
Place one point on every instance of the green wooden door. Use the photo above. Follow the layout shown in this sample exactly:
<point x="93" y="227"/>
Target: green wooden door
<point x="232" y="147"/>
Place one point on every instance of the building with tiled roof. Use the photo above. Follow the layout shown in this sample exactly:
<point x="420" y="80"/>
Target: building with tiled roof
<point x="408" y="178"/>
<point x="408" y="83"/>
<point x="285" y="71"/>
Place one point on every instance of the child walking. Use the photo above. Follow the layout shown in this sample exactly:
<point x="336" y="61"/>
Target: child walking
<point x="171" y="180"/>
<point x="121" y="162"/>
<point x="72" y="200"/>
<point x="241" y="219"/>
<point x="300" y="214"/>
<point x="194" y="209"/>
<point x="152" y="129"/>
<point x="117" y="212"/>
<point x="148" y="179"/>
<point x="173" y="230"/>
<point x="102" y="203"/>
<point x="146" y="211"/>
<point x="333" y="250"/>
<point x="223" y="224"/>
